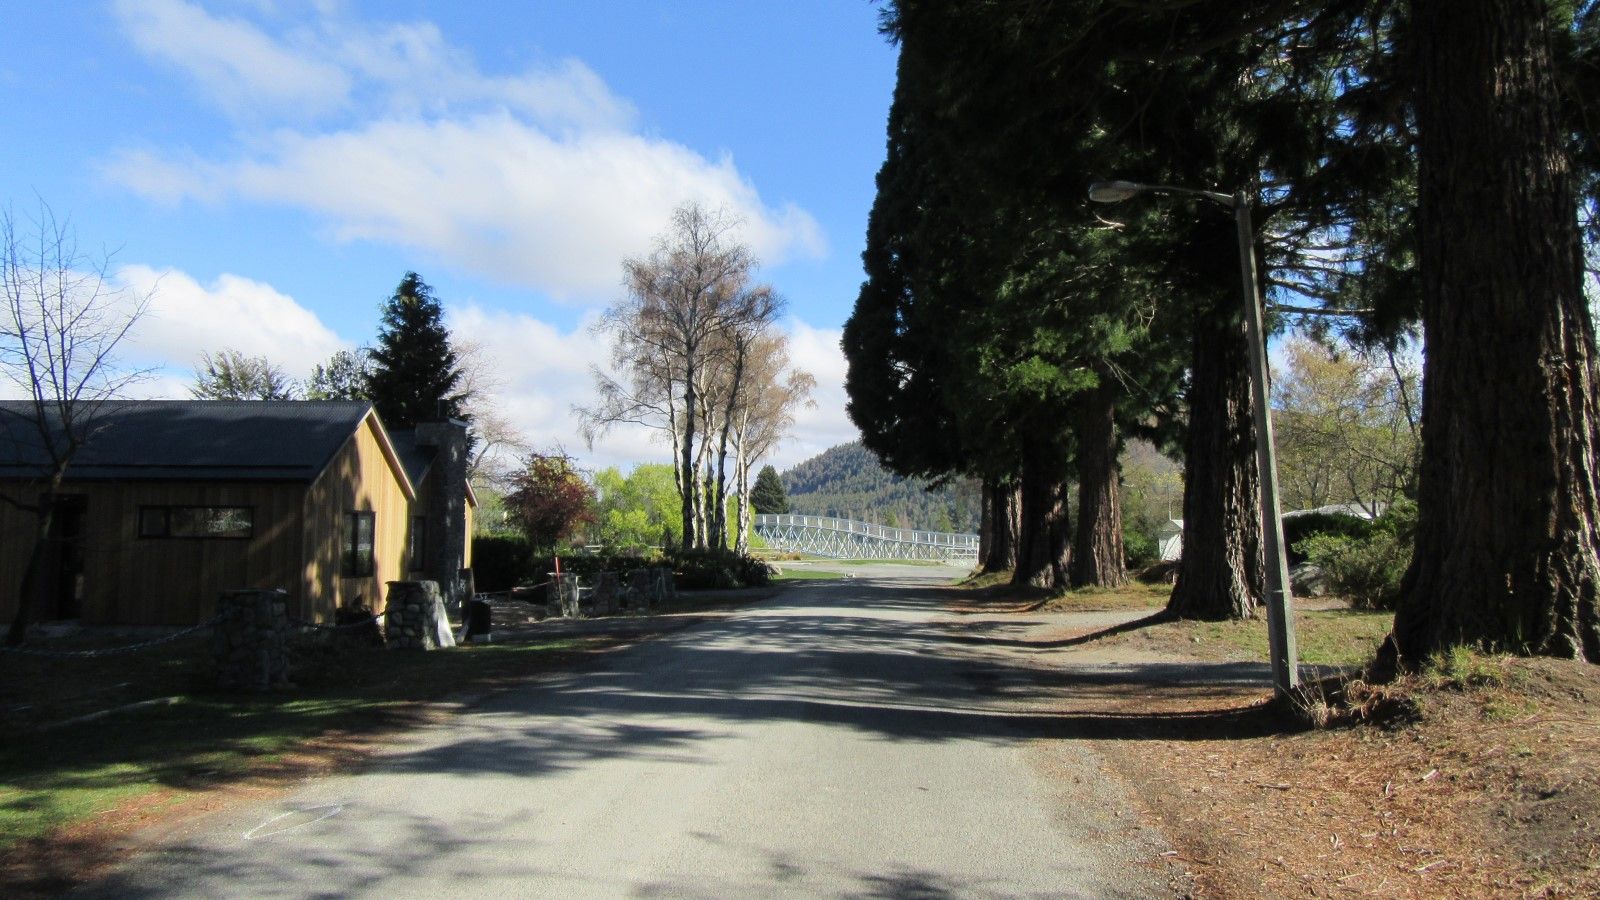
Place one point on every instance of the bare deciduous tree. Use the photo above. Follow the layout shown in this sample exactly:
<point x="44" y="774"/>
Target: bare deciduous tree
<point x="496" y="443"/>
<point x="680" y="338"/>
<point x="59" y="331"/>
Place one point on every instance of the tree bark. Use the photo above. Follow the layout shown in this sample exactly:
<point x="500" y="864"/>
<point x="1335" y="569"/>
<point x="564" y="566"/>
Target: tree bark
<point x="686" y="459"/>
<point x="1097" y="554"/>
<point x="1003" y="509"/>
<point x="1221" y="574"/>
<point x="1507" y="534"/>
<point x="1045" y="537"/>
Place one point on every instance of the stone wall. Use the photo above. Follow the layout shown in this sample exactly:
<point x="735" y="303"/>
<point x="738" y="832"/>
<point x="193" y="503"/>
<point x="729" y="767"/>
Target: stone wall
<point x="415" y="617"/>
<point x="250" y="642"/>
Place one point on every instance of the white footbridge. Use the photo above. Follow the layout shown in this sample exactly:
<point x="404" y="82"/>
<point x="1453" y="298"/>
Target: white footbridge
<point x="846" y="539"/>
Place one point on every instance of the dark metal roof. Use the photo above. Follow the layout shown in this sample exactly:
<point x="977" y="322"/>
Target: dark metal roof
<point x="414" y="457"/>
<point x="211" y="440"/>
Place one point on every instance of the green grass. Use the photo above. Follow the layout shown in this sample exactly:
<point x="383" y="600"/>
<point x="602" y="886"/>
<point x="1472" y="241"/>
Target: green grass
<point x="1335" y="637"/>
<point x="1133" y="595"/>
<point x="56" y="777"/>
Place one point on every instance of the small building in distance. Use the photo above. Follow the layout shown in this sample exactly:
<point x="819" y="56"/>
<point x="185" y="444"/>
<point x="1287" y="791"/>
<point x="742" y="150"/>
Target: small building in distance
<point x="170" y="502"/>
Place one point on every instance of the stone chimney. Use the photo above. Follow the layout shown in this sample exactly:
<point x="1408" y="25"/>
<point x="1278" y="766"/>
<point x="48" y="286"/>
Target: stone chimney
<point x="447" y="506"/>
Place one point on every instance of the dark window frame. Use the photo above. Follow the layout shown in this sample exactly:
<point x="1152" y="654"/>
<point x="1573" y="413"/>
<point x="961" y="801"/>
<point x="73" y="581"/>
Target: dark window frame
<point x="351" y="565"/>
<point x="165" y="531"/>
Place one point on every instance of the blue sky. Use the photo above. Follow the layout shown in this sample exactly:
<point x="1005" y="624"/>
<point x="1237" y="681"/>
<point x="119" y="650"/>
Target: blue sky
<point x="270" y="169"/>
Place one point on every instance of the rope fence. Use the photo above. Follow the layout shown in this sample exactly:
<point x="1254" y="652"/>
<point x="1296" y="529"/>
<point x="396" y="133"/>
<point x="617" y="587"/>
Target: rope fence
<point x="111" y="651"/>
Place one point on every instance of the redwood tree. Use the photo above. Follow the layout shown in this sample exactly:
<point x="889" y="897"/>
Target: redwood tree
<point x="1507" y="508"/>
<point x="1097" y="553"/>
<point x="1220" y="573"/>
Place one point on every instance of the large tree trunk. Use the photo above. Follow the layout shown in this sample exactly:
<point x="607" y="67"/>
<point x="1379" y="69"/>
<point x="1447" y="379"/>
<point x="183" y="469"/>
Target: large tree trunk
<point x="998" y="538"/>
<point x="1097" y="557"/>
<point x="1045" y="536"/>
<point x="1507" y="510"/>
<point x="1220" y="574"/>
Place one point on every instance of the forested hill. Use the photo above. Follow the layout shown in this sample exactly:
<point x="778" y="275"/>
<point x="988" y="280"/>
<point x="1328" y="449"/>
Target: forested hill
<point x="849" y="482"/>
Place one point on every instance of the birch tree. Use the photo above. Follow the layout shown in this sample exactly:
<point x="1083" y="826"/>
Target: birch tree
<point x="675" y="334"/>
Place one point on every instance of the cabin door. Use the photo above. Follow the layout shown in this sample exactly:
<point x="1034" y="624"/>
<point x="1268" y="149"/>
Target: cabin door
<point x="67" y="527"/>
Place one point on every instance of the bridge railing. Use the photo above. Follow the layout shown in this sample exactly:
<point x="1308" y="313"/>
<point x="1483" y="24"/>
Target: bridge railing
<point x="879" y="532"/>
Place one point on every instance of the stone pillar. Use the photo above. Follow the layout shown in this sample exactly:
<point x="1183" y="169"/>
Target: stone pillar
<point x="446" y="505"/>
<point x="250" y="641"/>
<point x="415" y="617"/>
<point x="565" y="590"/>
<point x="665" y="588"/>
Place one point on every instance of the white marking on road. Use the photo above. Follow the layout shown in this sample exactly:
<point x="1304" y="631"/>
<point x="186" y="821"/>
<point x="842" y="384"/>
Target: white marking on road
<point x="326" y="811"/>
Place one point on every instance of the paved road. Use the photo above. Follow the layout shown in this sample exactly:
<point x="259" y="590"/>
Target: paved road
<point x="833" y="741"/>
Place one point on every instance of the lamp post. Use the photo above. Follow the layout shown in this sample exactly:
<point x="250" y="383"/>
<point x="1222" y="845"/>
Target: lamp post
<point x="1280" y="622"/>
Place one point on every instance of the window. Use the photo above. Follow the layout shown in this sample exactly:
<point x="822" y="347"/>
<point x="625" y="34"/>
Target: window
<point x="356" y="555"/>
<point x="216" y="522"/>
<point x="417" y="544"/>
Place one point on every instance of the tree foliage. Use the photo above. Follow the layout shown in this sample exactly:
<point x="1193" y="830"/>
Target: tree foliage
<point x="343" y="377"/>
<point x="1346" y="423"/>
<point x="637" y="510"/>
<point x="768" y="496"/>
<point x="415" y="375"/>
<point x="1428" y="158"/>
<point x="230" y="375"/>
<point x="549" y="501"/>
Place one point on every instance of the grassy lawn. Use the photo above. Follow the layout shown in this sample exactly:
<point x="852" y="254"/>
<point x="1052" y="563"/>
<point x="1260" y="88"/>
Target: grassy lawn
<point x="1326" y="637"/>
<point x="59" y="776"/>
<point x="1133" y="595"/>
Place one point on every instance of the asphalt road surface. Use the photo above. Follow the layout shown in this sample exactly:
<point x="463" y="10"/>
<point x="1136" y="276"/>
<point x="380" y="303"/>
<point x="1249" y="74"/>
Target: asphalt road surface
<point x="831" y="742"/>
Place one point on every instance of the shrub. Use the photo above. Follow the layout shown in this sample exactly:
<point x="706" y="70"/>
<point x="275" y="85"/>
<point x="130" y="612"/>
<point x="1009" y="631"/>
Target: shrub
<point x="501" y="562"/>
<point x="718" y="570"/>
<point x="590" y="565"/>
<point x="1298" y="528"/>
<point x="1367" y="570"/>
<point x="1140" y="549"/>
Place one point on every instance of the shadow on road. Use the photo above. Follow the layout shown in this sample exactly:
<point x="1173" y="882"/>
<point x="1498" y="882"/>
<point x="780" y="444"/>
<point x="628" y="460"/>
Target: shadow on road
<point x="877" y="657"/>
<point x="874" y="664"/>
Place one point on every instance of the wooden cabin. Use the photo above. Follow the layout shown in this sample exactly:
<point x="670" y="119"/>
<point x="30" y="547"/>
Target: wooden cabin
<point x="169" y="502"/>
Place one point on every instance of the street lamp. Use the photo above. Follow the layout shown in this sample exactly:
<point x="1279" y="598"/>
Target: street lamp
<point x="1280" y="623"/>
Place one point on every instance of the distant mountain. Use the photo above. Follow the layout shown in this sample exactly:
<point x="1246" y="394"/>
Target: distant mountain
<point x="849" y="482"/>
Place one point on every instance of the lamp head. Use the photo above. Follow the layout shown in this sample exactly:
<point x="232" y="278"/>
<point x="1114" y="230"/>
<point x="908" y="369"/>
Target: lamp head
<point x="1114" y="191"/>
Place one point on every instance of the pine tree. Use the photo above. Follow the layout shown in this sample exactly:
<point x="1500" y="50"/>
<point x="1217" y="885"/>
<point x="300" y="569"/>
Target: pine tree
<point x="415" y="375"/>
<point x="768" y="496"/>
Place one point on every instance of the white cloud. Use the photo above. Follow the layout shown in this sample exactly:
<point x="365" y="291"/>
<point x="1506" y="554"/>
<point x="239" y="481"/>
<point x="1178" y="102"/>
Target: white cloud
<point x="490" y="193"/>
<point x="545" y="372"/>
<point x="532" y="179"/>
<point x="320" y="64"/>
<point x="816" y="350"/>
<point x="231" y="60"/>
<point x="186" y="319"/>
